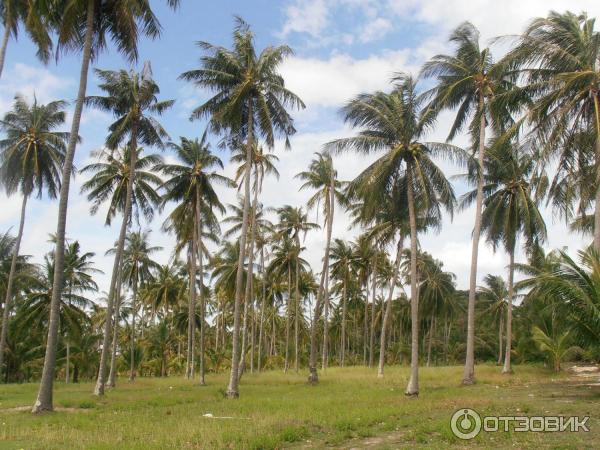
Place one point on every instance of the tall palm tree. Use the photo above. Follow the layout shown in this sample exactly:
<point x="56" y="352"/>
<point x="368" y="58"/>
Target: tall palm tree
<point x="110" y="183"/>
<point x="342" y="270"/>
<point x="250" y="100"/>
<point x="35" y="17"/>
<point x="364" y="255"/>
<point x="558" y="56"/>
<point x="395" y="123"/>
<point x="191" y="182"/>
<point x="471" y="82"/>
<point x="30" y="156"/>
<point x="138" y="268"/>
<point x="86" y="26"/>
<point x="132" y="99"/>
<point x="322" y="178"/>
<point x="293" y="222"/>
<point x="510" y="211"/>
<point x="79" y="271"/>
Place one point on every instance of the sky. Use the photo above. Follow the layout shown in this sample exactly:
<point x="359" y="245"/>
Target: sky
<point x="341" y="48"/>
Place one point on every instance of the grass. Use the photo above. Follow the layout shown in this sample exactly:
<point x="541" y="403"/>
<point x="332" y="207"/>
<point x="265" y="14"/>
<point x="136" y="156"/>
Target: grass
<point x="350" y="407"/>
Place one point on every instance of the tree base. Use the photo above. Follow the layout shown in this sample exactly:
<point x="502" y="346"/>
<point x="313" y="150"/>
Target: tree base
<point x="313" y="377"/>
<point x="99" y="390"/>
<point x="40" y="408"/>
<point x="380" y="375"/>
<point x="232" y="394"/>
<point x="468" y="381"/>
<point x="411" y="394"/>
<point x="507" y="371"/>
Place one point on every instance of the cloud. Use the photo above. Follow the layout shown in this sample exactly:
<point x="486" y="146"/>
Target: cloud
<point x="375" y="29"/>
<point x="331" y="82"/>
<point x="306" y="16"/>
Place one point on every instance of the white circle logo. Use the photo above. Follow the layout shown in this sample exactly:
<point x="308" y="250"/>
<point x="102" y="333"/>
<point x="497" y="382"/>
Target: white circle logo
<point x="465" y="423"/>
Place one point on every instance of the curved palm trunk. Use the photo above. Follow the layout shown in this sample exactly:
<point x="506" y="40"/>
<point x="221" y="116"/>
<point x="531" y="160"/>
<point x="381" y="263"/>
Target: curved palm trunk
<point x="372" y="333"/>
<point x="249" y="281"/>
<point x="343" y="336"/>
<point x="262" y="311"/>
<point x="132" y="349"/>
<point x="511" y="270"/>
<point x="325" y="352"/>
<point x="112" y="374"/>
<point x="232" y="388"/>
<point x="44" y="397"/>
<point x="469" y="372"/>
<point x="101" y="381"/>
<point x="313" y="376"/>
<point x="413" y="383"/>
<point x="10" y="282"/>
<point x="191" y="311"/>
<point x="5" y="39"/>
<point x="388" y="307"/>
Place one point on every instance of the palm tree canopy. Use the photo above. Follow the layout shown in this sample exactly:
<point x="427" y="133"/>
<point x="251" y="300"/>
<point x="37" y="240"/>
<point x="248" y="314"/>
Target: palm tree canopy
<point x="32" y="151"/>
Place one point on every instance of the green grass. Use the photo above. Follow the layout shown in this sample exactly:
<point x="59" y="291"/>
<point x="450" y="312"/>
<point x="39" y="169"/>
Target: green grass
<point x="350" y="407"/>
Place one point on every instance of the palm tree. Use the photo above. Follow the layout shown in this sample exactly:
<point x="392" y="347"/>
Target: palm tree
<point x="35" y="17"/>
<point x="191" y="182"/>
<point x="110" y="183"/>
<point x="132" y="99"/>
<point x="558" y="56"/>
<point x="494" y="294"/>
<point x="342" y="270"/>
<point x="250" y="99"/>
<point x="472" y="82"/>
<point x="395" y="123"/>
<point x="138" y="267"/>
<point x="85" y="26"/>
<point x="31" y="155"/>
<point x="79" y="270"/>
<point x="510" y="211"/>
<point x="292" y="223"/>
<point x="321" y="177"/>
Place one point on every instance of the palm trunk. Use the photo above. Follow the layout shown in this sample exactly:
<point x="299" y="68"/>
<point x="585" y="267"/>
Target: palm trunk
<point x="388" y="307"/>
<point x="68" y="342"/>
<point x="597" y="207"/>
<point x="325" y="352"/>
<point x="232" y="389"/>
<point x="201" y="291"/>
<point x="132" y="349"/>
<point x="343" y="337"/>
<point x="469" y="372"/>
<point x="10" y="282"/>
<point x="511" y="270"/>
<point x="313" y="376"/>
<point x="413" y="383"/>
<point x="262" y="310"/>
<point x="101" y="381"/>
<point x="297" y="306"/>
<point x="430" y="343"/>
<point x="5" y="39"/>
<point x="500" y="337"/>
<point x="373" y="294"/>
<point x="44" y="400"/>
<point x="366" y="323"/>
<point x="287" y="321"/>
<point x="248" y="291"/>
<point x="112" y="374"/>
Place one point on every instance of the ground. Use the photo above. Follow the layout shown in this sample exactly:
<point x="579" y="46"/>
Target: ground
<point x="350" y="408"/>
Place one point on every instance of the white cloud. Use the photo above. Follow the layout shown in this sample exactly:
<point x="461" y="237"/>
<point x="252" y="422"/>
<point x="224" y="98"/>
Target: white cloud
<point x="375" y="29"/>
<point x="306" y="16"/>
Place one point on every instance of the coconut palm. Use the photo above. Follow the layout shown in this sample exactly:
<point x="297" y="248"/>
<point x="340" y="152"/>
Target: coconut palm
<point x="191" y="182"/>
<point x="138" y="268"/>
<point x="31" y="155"/>
<point x="395" y="123"/>
<point x="35" y="17"/>
<point x="322" y="178"/>
<point x="293" y="222"/>
<point x="86" y="26"/>
<point x="510" y="211"/>
<point x="558" y="56"/>
<point x="493" y="295"/>
<point x="250" y="100"/>
<point x="471" y="82"/>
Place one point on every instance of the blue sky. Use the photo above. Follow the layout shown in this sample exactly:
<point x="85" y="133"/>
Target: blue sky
<point x="342" y="48"/>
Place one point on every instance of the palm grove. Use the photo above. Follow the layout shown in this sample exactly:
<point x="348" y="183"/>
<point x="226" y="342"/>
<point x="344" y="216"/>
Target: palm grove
<point x="237" y="293"/>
